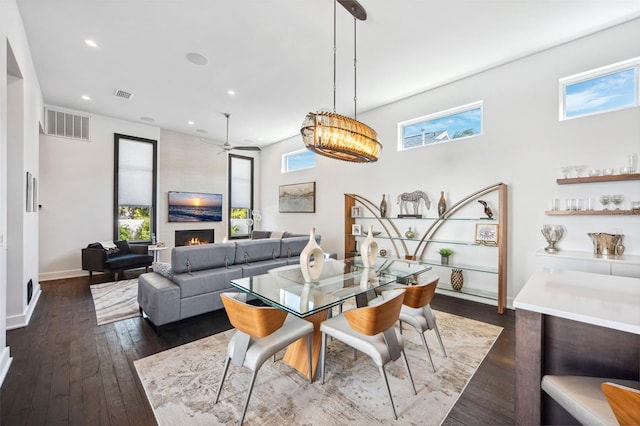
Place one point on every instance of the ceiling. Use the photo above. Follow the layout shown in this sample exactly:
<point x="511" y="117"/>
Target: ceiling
<point x="277" y="55"/>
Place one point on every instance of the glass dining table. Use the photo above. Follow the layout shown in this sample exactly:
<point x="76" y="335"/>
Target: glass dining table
<point x="285" y="288"/>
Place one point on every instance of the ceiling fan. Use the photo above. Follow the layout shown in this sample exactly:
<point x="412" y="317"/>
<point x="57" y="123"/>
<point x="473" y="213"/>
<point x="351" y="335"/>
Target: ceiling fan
<point x="228" y="147"/>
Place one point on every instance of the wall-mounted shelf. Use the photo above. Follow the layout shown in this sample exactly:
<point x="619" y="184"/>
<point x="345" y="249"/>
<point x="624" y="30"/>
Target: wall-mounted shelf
<point x="592" y="212"/>
<point x="591" y="179"/>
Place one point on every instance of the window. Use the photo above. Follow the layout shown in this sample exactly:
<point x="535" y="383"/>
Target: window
<point x="604" y="89"/>
<point x="298" y="160"/>
<point x="240" y="196"/>
<point x="135" y="183"/>
<point x="444" y="126"/>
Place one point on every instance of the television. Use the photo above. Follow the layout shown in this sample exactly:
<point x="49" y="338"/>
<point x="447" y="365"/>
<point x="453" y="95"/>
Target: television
<point x="194" y="207"/>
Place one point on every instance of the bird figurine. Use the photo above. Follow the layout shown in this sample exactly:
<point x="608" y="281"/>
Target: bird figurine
<point x="487" y="209"/>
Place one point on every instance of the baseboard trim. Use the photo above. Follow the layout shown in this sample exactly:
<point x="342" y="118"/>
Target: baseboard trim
<point x="19" y="321"/>
<point x="48" y="276"/>
<point x="5" y="363"/>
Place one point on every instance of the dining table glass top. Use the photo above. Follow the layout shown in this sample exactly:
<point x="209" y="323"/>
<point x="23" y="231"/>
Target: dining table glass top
<point x="340" y="280"/>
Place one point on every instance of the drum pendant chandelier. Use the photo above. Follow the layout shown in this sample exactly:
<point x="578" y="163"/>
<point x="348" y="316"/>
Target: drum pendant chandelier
<point x="334" y="135"/>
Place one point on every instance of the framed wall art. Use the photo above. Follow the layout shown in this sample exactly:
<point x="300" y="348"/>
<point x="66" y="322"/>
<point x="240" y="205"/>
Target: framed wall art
<point x="356" y="229"/>
<point x="487" y="233"/>
<point x="297" y="198"/>
<point x="356" y="211"/>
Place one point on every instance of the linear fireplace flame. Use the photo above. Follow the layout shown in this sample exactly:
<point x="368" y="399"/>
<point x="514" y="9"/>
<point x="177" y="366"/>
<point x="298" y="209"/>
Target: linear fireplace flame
<point x="193" y="237"/>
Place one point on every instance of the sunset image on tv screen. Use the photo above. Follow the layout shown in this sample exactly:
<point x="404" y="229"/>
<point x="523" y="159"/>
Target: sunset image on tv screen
<point x="195" y="207"/>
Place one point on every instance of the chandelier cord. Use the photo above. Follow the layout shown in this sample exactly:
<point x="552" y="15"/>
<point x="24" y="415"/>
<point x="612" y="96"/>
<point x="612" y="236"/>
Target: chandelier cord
<point x="355" y="68"/>
<point x="335" y="2"/>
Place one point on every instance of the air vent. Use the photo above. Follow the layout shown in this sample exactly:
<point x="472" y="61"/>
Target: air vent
<point x="74" y="126"/>
<point x="123" y="94"/>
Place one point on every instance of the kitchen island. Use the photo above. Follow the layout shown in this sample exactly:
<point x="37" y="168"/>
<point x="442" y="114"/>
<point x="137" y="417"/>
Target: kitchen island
<point x="573" y="323"/>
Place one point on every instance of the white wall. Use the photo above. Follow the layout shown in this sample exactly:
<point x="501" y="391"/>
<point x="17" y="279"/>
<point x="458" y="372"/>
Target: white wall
<point x="20" y="99"/>
<point x="523" y="145"/>
<point x="187" y="163"/>
<point x="76" y="193"/>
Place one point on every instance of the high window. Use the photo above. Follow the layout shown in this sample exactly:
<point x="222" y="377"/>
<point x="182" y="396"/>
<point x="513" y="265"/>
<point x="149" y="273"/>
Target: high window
<point x="298" y="160"/>
<point x="609" y="88"/>
<point x="240" y="196"/>
<point x="456" y="123"/>
<point x="135" y="183"/>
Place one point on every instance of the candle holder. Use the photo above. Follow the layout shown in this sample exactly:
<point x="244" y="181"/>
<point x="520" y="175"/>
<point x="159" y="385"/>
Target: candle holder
<point x="553" y="234"/>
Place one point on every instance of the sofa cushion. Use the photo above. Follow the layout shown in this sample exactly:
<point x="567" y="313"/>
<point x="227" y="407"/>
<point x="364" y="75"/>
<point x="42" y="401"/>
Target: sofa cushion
<point x="291" y="247"/>
<point x="198" y="258"/>
<point x="206" y="281"/>
<point x="260" y="267"/>
<point x="257" y="235"/>
<point x="248" y="251"/>
<point x="128" y="261"/>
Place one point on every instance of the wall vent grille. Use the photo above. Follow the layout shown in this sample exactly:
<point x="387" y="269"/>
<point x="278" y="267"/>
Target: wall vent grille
<point x="74" y="126"/>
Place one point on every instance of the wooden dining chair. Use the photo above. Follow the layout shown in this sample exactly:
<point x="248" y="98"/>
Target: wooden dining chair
<point x="595" y="400"/>
<point x="416" y="311"/>
<point x="371" y="330"/>
<point x="261" y="331"/>
<point x="624" y="402"/>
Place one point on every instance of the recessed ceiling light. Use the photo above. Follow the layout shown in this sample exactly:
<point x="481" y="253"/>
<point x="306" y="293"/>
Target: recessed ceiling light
<point x="86" y="98"/>
<point x="197" y="59"/>
<point x="201" y="131"/>
<point x="190" y="122"/>
<point x="90" y="43"/>
<point x="231" y="92"/>
<point x="148" y="119"/>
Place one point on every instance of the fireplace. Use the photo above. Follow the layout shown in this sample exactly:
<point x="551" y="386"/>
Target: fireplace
<point x="193" y="237"/>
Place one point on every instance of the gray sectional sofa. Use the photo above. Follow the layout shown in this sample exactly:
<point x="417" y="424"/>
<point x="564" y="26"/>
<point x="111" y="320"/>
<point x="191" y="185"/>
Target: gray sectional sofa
<point x="199" y="274"/>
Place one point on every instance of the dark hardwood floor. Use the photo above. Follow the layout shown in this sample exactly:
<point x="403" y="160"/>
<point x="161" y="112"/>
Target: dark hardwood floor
<point x="67" y="370"/>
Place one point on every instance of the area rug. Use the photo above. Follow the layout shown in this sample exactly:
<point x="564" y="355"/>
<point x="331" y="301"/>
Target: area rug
<point x="181" y="383"/>
<point x="115" y="301"/>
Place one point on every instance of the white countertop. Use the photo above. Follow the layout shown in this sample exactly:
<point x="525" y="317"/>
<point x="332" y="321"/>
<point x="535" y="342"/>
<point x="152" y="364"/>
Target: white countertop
<point x="603" y="300"/>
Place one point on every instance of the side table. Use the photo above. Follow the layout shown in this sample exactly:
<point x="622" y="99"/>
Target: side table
<point x="155" y="251"/>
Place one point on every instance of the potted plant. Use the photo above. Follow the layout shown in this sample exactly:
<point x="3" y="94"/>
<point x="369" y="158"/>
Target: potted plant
<point x="444" y="255"/>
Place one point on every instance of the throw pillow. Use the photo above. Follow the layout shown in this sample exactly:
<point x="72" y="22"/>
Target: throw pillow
<point x="123" y="246"/>
<point x="163" y="269"/>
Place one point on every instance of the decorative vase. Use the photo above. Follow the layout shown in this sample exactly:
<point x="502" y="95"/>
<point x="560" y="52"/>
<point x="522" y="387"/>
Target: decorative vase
<point x="444" y="260"/>
<point x="383" y="207"/>
<point x="442" y="204"/>
<point x="311" y="252"/>
<point x="457" y="279"/>
<point x="409" y="233"/>
<point x="369" y="250"/>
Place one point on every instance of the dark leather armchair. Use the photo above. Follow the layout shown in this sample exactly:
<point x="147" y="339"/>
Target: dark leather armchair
<point x="95" y="258"/>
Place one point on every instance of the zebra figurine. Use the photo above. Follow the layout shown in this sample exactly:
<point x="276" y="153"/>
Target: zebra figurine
<point x="413" y="198"/>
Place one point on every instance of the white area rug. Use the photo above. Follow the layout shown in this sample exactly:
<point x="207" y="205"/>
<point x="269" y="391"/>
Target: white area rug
<point x="181" y="383"/>
<point x="115" y="301"/>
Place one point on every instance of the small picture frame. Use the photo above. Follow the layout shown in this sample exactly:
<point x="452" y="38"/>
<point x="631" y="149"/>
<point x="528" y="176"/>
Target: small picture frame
<point x="486" y="233"/>
<point x="356" y="229"/>
<point x="356" y="211"/>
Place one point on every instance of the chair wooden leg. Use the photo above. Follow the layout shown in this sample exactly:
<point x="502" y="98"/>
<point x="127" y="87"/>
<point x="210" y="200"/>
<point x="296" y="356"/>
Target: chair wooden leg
<point x="224" y="374"/>
<point x="246" y="402"/>
<point x="426" y="348"/>
<point x="386" y="382"/>
<point x="435" y="328"/>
